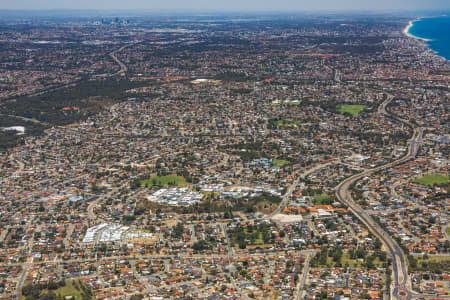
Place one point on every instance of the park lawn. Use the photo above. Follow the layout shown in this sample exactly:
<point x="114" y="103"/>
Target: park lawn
<point x="357" y="262"/>
<point x="351" y="109"/>
<point x="432" y="179"/>
<point x="279" y="163"/>
<point x="440" y="259"/>
<point x="319" y="194"/>
<point x="323" y="199"/>
<point x="69" y="290"/>
<point x="285" y="104"/>
<point x="447" y="230"/>
<point x="258" y="241"/>
<point x="352" y="263"/>
<point x="287" y="123"/>
<point x="332" y="263"/>
<point x="164" y="181"/>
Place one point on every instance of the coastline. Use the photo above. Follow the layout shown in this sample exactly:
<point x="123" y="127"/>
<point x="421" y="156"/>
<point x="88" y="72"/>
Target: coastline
<point x="408" y="34"/>
<point x="425" y="41"/>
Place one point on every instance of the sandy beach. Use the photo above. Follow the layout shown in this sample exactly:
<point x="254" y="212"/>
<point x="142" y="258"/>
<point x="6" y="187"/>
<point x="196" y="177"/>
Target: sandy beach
<point x="408" y="27"/>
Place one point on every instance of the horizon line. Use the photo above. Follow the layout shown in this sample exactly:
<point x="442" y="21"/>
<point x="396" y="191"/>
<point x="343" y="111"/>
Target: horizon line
<point x="268" y="10"/>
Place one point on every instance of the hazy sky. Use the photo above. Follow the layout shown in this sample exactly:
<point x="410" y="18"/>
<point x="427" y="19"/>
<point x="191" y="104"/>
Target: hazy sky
<point x="236" y="5"/>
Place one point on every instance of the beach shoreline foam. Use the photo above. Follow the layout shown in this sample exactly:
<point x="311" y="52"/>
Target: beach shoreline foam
<point x="408" y="34"/>
<point x="425" y="41"/>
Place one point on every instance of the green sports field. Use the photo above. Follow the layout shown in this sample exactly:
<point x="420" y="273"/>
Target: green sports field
<point x="351" y="109"/>
<point x="164" y="181"/>
<point x="432" y="179"/>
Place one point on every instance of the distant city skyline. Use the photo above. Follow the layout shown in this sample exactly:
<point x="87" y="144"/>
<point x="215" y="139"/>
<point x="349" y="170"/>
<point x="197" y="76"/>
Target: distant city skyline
<point x="230" y="5"/>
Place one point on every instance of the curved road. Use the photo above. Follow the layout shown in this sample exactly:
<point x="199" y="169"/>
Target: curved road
<point x="123" y="67"/>
<point x="400" y="272"/>
<point x="399" y="262"/>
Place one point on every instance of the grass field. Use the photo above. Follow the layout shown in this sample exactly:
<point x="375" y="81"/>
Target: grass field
<point x="287" y="123"/>
<point x="440" y="259"/>
<point x="346" y="260"/>
<point x="285" y="104"/>
<point x="257" y="241"/>
<point x="353" y="263"/>
<point x="351" y="109"/>
<point x="164" y="181"/>
<point x="322" y="200"/>
<point x="432" y="179"/>
<point x="447" y="230"/>
<point x="69" y="290"/>
<point x="279" y="163"/>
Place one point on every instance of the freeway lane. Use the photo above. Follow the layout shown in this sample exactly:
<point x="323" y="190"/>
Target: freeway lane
<point x="400" y="273"/>
<point x="123" y="67"/>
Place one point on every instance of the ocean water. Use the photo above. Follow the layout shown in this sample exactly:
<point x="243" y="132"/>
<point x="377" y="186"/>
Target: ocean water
<point x="437" y="33"/>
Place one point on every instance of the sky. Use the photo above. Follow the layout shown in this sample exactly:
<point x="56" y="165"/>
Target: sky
<point x="230" y="5"/>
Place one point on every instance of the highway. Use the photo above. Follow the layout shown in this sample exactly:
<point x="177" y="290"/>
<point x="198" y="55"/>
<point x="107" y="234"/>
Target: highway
<point x="123" y="67"/>
<point x="400" y="273"/>
<point x="122" y="71"/>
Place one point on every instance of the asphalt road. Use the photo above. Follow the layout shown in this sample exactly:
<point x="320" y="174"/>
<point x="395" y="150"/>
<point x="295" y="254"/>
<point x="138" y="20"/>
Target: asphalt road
<point x="400" y="273"/>
<point x="285" y="200"/>
<point x="123" y="67"/>
<point x="21" y="280"/>
<point x="304" y="275"/>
